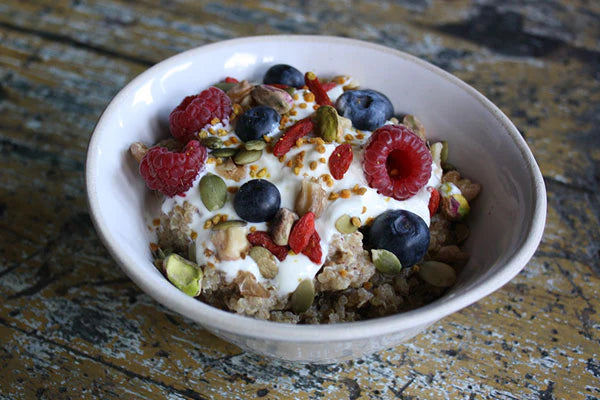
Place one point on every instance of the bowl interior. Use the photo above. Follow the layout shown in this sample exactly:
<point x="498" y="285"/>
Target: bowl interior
<point x="484" y="145"/>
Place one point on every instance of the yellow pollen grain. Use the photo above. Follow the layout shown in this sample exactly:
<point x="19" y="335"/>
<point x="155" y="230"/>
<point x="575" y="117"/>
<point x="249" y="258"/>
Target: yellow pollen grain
<point x="293" y="112"/>
<point x="216" y="219"/>
<point x="289" y="163"/>
<point x="321" y="149"/>
<point x="299" y="142"/>
<point x="219" y="161"/>
<point x="234" y="140"/>
<point x="364" y="210"/>
<point x="224" y="217"/>
<point x="252" y="229"/>
<point x="361" y="191"/>
<point x="295" y="96"/>
<point x="360" y="135"/>
<point x="207" y="224"/>
<point x="212" y="130"/>
<point x="262" y="173"/>
<point x="322" y="160"/>
<point x="194" y="235"/>
<point x="253" y="167"/>
<point x="355" y="221"/>
<point x="297" y="170"/>
<point x="222" y="132"/>
<point x="313" y="165"/>
<point x="348" y="137"/>
<point x="345" y="194"/>
<point x="215" y="121"/>
<point x="370" y="221"/>
<point x="227" y="143"/>
<point x="210" y="265"/>
<point x="333" y="196"/>
<point x="203" y="134"/>
<point x="308" y="97"/>
<point x="237" y="109"/>
<point x="302" y="105"/>
<point x="339" y="80"/>
<point x="282" y="158"/>
<point x="316" y="107"/>
<point x="319" y="140"/>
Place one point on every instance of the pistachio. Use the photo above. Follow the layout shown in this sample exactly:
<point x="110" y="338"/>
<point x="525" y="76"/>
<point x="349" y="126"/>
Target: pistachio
<point x="184" y="274"/>
<point x="414" y="125"/>
<point x="386" y="262"/>
<point x="281" y="226"/>
<point x="455" y="207"/>
<point x="265" y="261"/>
<point x="212" y="142"/>
<point x="240" y="91"/>
<point x="312" y="197"/>
<point x="257" y="144"/>
<point x="303" y="296"/>
<point x="230" y="242"/>
<point x="437" y="274"/>
<point x="230" y="170"/>
<point x="244" y="156"/>
<point x="344" y="224"/>
<point x="221" y="226"/>
<point x="138" y="150"/>
<point x="278" y="99"/>
<point x="223" y="152"/>
<point x="224" y="86"/>
<point x="326" y="123"/>
<point x="213" y="192"/>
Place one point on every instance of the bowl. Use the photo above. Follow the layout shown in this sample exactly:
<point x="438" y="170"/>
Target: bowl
<point x="507" y="219"/>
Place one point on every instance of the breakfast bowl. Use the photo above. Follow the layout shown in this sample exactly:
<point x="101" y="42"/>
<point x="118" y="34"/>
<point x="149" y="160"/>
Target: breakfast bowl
<point x="506" y="224"/>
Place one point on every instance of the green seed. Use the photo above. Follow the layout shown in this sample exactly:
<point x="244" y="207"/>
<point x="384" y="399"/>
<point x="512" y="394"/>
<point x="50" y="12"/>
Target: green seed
<point x="224" y="152"/>
<point x="213" y="192"/>
<point x="224" y="86"/>
<point x="184" y="274"/>
<point x="386" y="262"/>
<point x="290" y="90"/>
<point x="265" y="261"/>
<point x="344" y="224"/>
<point x="326" y="126"/>
<point x="212" y="142"/>
<point x="221" y="226"/>
<point x="303" y="296"/>
<point x="437" y="274"/>
<point x="444" y="154"/>
<point x="257" y="144"/>
<point x="246" y="156"/>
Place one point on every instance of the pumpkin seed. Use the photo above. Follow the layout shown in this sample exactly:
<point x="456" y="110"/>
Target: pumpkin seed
<point x="437" y="273"/>
<point x="265" y="261"/>
<point x="213" y="192"/>
<point x="257" y="144"/>
<point x="184" y="274"/>
<point x="303" y="296"/>
<point x="212" y="142"/>
<point x="223" y="152"/>
<point x="386" y="262"/>
<point x="326" y="126"/>
<point x="246" y="156"/>
<point x="344" y="224"/>
<point x="224" y="86"/>
<point x="192" y="251"/>
<point x="221" y="226"/>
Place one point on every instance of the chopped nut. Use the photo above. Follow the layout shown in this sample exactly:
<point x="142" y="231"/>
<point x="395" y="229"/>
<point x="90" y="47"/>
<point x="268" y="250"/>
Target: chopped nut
<point x="231" y="242"/>
<point x="452" y="255"/>
<point x="240" y="92"/>
<point x="467" y="188"/>
<point x="281" y="226"/>
<point x="414" y="125"/>
<point x="231" y="170"/>
<point x="312" y="198"/>
<point x="138" y="150"/>
<point x="248" y="286"/>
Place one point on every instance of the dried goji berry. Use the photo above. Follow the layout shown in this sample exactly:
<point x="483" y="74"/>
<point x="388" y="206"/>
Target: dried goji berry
<point x="327" y="86"/>
<point x="262" y="238"/>
<point x="294" y="132"/>
<point x="301" y="232"/>
<point x="313" y="248"/>
<point x="321" y="96"/>
<point x="340" y="160"/>
<point x="434" y="200"/>
<point x="231" y="80"/>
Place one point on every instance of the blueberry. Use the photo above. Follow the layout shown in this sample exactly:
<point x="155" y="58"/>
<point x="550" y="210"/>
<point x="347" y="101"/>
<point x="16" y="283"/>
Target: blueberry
<point x="284" y="74"/>
<point x="403" y="233"/>
<point x="367" y="109"/>
<point x="257" y="200"/>
<point x="257" y="122"/>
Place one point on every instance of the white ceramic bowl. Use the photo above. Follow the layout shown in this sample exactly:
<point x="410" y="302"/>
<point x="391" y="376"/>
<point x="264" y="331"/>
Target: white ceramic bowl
<point x="507" y="219"/>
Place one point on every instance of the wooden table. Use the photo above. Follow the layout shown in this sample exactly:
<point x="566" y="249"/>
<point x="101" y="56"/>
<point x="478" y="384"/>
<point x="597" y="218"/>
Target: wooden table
<point x="73" y="326"/>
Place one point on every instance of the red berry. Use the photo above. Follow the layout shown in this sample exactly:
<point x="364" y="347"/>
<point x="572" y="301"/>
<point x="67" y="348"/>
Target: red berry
<point x="262" y="238"/>
<point x="301" y="232"/>
<point x="340" y="160"/>
<point x="293" y="133"/>
<point x="195" y="112"/>
<point x="434" y="201"/>
<point x="173" y="172"/>
<point x="328" y="86"/>
<point x="229" y="79"/>
<point x="397" y="162"/>
<point x="313" y="249"/>
<point x="314" y="85"/>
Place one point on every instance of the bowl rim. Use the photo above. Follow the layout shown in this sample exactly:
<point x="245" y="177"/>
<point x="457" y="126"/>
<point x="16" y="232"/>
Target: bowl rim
<point x="228" y="322"/>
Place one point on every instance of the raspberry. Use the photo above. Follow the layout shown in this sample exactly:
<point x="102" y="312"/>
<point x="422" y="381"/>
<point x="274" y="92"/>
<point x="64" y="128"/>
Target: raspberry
<point x="173" y="172"/>
<point x="195" y="112"/>
<point x="397" y="162"/>
<point x="302" y="232"/>
<point x="340" y="160"/>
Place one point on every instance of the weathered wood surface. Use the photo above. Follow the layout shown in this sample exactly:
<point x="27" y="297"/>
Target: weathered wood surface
<point x="73" y="326"/>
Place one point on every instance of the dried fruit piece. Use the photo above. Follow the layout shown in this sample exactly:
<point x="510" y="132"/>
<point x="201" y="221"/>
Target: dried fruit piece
<point x="213" y="192"/>
<point x="262" y="238"/>
<point x="313" y="249"/>
<point x="248" y="286"/>
<point x="455" y="207"/>
<point x="303" y="296"/>
<point x="340" y="160"/>
<point x="321" y="96"/>
<point x="244" y="156"/>
<point x="277" y="99"/>
<point x="437" y="274"/>
<point x="229" y="79"/>
<point x="344" y="224"/>
<point x="281" y="226"/>
<point x="386" y="262"/>
<point x="326" y="123"/>
<point x="434" y="201"/>
<point x="327" y="86"/>
<point x="265" y="261"/>
<point x="414" y="125"/>
<point x="293" y="133"/>
<point x="301" y="232"/>
<point x="231" y="242"/>
<point x="184" y="274"/>
<point x="311" y="198"/>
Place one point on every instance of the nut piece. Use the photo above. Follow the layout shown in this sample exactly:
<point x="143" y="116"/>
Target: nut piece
<point x="386" y="262"/>
<point x="265" y="261"/>
<point x="467" y="188"/>
<point x="414" y="125"/>
<point x="326" y="123"/>
<point x="452" y="255"/>
<point x="303" y="296"/>
<point x="281" y="225"/>
<point x="312" y="198"/>
<point x="138" y="150"/>
<point x="437" y="274"/>
<point x="231" y="242"/>
<point x="248" y="286"/>
<point x="343" y="124"/>
<point x="273" y="97"/>
<point x="184" y="274"/>
<point x="230" y="170"/>
<point x="455" y="207"/>
<point x="240" y="91"/>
